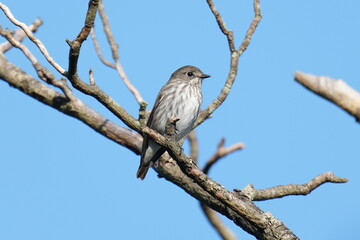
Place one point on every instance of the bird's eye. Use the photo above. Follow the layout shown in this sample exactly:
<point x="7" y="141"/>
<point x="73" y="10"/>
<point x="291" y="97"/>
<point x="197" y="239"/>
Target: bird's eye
<point x="190" y="74"/>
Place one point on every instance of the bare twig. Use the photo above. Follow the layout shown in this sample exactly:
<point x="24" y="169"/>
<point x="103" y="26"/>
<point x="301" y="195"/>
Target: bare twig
<point x="14" y="42"/>
<point x="91" y="77"/>
<point x="234" y="59"/>
<point x="115" y="54"/>
<point x="31" y="36"/>
<point x="290" y="189"/>
<point x="92" y="89"/>
<point x="228" y="33"/>
<point x="76" y="44"/>
<point x="334" y="90"/>
<point x="251" y="30"/>
<point x="194" y="145"/>
<point x="19" y="35"/>
<point x="42" y="72"/>
<point x="221" y="152"/>
<point x="98" y="50"/>
<point x="109" y="35"/>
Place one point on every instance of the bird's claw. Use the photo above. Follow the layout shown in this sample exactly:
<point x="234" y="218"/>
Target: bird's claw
<point x="176" y="130"/>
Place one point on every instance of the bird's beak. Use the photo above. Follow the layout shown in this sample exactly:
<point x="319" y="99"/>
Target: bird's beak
<point x="205" y="76"/>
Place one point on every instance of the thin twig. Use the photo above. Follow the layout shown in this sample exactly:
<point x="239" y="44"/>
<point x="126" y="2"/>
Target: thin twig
<point x="43" y="73"/>
<point x="228" y="33"/>
<point x="334" y="90"/>
<point x="107" y="30"/>
<point x="290" y="189"/>
<point x="234" y="59"/>
<point x="31" y="36"/>
<point x="194" y="145"/>
<point x="76" y="44"/>
<point x="251" y="30"/>
<point x="19" y="35"/>
<point x="115" y="53"/>
<point x="221" y="152"/>
<point x="98" y="50"/>
<point x="91" y="77"/>
<point x="15" y="43"/>
<point x="94" y="90"/>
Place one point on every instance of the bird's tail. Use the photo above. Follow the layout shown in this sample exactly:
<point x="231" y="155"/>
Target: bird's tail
<point x="142" y="171"/>
<point x="146" y="163"/>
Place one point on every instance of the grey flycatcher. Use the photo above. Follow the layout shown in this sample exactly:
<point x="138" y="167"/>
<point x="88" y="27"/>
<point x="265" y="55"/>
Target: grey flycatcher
<point x="181" y="98"/>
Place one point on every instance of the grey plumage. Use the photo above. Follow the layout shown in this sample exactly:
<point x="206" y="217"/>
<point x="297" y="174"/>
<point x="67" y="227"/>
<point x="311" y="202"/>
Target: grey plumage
<point x="180" y="97"/>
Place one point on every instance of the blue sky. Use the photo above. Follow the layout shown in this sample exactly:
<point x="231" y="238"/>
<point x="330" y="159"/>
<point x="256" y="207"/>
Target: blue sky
<point x="61" y="180"/>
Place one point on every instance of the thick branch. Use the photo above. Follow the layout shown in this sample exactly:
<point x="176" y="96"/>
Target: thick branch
<point x="261" y="222"/>
<point x="43" y="93"/>
<point x="212" y="216"/>
<point x="168" y="168"/>
<point x="290" y="189"/>
<point x="334" y="90"/>
<point x="217" y="223"/>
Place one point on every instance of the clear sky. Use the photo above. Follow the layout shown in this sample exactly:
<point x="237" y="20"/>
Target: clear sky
<point x="61" y="180"/>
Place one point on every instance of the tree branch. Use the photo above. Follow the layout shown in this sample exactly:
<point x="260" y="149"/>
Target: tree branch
<point x="234" y="57"/>
<point x="212" y="216"/>
<point x="75" y="45"/>
<point x="334" y="90"/>
<point x="43" y="73"/>
<point x="220" y="21"/>
<point x="221" y="152"/>
<point x="178" y="169"/>
<point x="290" y="189"/>
<point x="194" y="145"/>
<point x="15" y="43"/>
<point x="43" y="93"/>
<point x="92" y="89"/>
<point x="214" y="219"/>
<point x="31" y="36"/>
<point x="245" y="209"/>
<point x="98" y="50"/>
<point x="19" y="35"/>
<point x="115" y="54"/>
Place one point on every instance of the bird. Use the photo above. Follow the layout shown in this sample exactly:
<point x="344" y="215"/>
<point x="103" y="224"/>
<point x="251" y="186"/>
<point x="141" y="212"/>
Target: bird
<point x="181" y="98"/>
